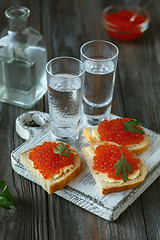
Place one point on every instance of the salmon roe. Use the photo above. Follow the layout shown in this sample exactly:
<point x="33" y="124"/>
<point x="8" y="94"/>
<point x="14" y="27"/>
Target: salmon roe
<point x="48" y="162"/>
<point x="113" y="131"/>
<point x="107" y="155"/>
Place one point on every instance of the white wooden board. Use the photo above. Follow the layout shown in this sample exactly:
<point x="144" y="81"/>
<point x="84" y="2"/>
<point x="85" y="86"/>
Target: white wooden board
<point x="83" y="191"/>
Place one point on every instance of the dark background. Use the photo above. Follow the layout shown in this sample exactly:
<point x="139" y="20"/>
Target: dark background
<point x="66" y="25"/>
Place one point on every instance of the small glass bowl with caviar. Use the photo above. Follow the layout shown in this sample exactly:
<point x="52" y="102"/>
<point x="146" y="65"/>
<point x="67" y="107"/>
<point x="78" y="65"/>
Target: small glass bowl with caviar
<point x="125" y="22"/>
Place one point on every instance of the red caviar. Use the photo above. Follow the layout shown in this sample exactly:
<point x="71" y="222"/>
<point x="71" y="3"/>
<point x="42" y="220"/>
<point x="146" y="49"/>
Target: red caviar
<point x="107" y="155"/>
<point x="122" y="28"/>
<point x="48" y="162"/>
<point x="113" y="131"/>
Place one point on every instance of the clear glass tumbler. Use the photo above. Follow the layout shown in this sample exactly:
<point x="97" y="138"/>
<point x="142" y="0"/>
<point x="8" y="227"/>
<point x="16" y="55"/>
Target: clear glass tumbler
<point x="100" y="60"/>
<point x="65" y="77"/>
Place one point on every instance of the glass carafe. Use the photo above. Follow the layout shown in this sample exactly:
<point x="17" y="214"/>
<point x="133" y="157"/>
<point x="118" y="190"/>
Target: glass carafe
<point x="23" y="58"/>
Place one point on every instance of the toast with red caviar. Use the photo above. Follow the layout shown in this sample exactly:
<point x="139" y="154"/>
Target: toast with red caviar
<point x="115" y="168"/>
<point x="52" y="164"/>
<point x="115" y="130"/>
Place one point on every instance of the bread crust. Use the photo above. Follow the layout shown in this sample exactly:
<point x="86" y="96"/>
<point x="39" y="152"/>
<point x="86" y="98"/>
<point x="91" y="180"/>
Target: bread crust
<point x="112" y="187"/>
<point x="51" y="185"/>
<point x="136" y="148"/>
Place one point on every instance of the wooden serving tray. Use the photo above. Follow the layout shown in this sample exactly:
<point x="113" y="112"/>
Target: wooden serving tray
<point x="83" y="190"/>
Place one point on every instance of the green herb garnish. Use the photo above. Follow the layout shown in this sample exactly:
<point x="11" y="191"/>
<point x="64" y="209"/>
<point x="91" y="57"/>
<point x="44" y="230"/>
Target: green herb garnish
<point x="61" y="149"/>
<point x="6" y="199"/>
<point x="123" y="167"/>
<point x="130" y="126"/>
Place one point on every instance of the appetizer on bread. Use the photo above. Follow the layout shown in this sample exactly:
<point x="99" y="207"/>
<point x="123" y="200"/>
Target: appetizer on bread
<point x="115" y="168"/>
<point x="52" y="164"/>
<point x="123" y="131"/>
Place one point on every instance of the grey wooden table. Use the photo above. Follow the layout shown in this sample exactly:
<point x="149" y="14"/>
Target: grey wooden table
<point x="66" y="25"/>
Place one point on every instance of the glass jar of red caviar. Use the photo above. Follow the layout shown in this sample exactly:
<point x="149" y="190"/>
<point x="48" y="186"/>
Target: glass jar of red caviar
<point x="117" y="21"/>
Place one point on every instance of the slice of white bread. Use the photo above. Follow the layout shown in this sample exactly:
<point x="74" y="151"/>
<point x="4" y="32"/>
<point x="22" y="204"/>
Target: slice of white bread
<point x="107" y="187"/>
<point x="52" y="184"/>
<point x="136" y="148"/>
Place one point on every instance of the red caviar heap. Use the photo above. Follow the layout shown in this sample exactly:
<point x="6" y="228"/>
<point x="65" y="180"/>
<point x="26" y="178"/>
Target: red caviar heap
<point x="113" y="131"/>
<point x="121" y="26"/>
<point x="107" y="155"/>
<point x="48" y="162"/>
<point x="122" y="19"/>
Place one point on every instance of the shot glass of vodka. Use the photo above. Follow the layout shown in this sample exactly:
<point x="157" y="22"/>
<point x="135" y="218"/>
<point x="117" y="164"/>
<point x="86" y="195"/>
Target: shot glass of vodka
<point x="65" y="78"/>
<point x="100" y="60"/>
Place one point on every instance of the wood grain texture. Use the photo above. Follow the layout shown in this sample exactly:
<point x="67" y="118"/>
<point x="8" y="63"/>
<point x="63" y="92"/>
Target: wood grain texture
<point x="66" y="25"/>
<point x="83" y="190"/>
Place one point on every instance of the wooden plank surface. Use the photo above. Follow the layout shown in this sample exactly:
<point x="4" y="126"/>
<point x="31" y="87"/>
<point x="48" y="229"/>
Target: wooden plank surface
<point x="83" y="190"/>
<point x="66" y="25"/>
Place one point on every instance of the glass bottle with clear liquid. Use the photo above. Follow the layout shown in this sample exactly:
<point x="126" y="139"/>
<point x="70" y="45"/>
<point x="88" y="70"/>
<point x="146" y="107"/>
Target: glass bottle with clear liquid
<point x="23" y="58"/>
